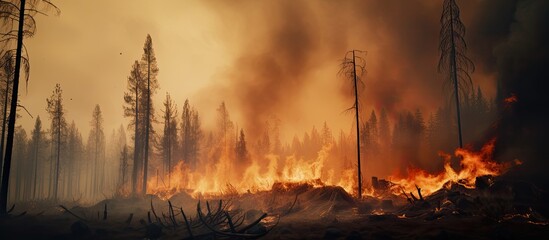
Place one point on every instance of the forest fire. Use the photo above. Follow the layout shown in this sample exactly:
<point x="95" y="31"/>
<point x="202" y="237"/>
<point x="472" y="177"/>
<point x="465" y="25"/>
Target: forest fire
<point x="472" y="164"/>
<point x="217" y="180"/>
<point x="273" y="119"/>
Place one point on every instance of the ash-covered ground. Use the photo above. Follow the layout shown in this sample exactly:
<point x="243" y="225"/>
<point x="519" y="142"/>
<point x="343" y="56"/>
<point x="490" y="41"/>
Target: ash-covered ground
<point x="495" y="209"/>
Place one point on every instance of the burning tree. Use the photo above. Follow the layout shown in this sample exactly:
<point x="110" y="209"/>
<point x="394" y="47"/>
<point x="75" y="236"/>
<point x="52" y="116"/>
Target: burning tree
<point x="352" y="68"/>
<point x="453" y="62"/>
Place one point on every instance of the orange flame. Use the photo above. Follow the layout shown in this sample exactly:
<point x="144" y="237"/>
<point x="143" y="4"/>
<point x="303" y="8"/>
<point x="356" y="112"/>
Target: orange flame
<point x="222" y="179"/>
<point x="473" y="165"/>
<point x="511" y="99"/>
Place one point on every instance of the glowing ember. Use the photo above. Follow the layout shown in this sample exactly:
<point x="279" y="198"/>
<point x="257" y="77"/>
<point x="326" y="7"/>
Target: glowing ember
<point x="512" y="99"/>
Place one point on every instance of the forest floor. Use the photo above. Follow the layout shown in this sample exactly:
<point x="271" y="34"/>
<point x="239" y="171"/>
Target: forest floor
<point x="505" y="210"/>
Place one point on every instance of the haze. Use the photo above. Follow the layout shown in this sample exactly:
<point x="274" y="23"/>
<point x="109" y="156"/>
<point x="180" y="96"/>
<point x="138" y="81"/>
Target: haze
<point x="264" y="59"/>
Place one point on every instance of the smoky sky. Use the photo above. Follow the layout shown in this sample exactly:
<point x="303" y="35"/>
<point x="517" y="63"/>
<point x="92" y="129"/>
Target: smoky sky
<point x="263" y="58"/>
<point x="516" y="35"/>
<point x="284" y="49"/>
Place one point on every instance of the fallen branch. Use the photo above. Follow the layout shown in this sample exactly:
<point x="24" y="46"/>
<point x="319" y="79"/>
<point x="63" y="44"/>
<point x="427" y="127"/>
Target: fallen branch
<point x="187" y="223"/>
<point x="71" y="213"/>
<point x="293" y="204"/>
<point x="230" y="234"/>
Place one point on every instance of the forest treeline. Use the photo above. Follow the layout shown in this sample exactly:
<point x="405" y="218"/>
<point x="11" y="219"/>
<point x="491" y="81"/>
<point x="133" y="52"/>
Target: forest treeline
<point x="54" y="162"/>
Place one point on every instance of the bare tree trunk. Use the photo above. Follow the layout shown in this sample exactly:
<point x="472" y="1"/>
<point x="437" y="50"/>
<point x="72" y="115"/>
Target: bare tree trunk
<point x="453" y="68"/>
<point x="359" y="171"/>
<point x="56" y="186"/>
<point x="147" y="126"/>
<point x="13" y="109"/>
<point x="34" y="186"/>
<point x="8" y="76"/>
<point x="136" y="141"/>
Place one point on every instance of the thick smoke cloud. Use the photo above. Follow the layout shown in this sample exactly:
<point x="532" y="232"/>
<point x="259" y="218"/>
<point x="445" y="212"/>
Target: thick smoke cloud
<point x="286" y="47"/>
<point x="519" y="36"/>
<point x="288" y="41"/>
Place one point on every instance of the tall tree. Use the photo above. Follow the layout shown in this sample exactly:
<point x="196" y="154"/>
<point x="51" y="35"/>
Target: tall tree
<point x="37" y="143"/>
<point x="132" y="110"/>
<point x="241" y="150"/>
<point x="96" y="146"/>
<point x="191" y="134"/>
<point x="123" y="170"/>
<point x="453" y="62"/>
<point x="20" y="188"/>
<point x="353" y="67"/>
<point x="225" y="126"/>
<point x="169" y="137"/>
<point x="74" y="154"/>
<point x="7" y="71"/>
<point x="58" y="130"/>
<point x="16" y="13"/>
<point x="150" y="68"/>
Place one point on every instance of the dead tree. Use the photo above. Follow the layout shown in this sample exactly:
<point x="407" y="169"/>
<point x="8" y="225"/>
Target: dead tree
<point x="453" y="62"/>
<point x="353" y="67"/>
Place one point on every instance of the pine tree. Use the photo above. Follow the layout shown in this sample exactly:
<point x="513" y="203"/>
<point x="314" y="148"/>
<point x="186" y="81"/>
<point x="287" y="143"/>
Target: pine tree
<point x="17" y="13"/>
<point x="241" y="150"/>
<point x="58" y="131"/>
<point x="132" y="109"/>
<point x="225" y="126"/>
<point x="7" y="71"/>
<point x="150" y="70"/>
<point x="37" y="144"/>
<point x="96" y="149"/>
<point x="169" y="138"/>
<point x="453" y="62"/>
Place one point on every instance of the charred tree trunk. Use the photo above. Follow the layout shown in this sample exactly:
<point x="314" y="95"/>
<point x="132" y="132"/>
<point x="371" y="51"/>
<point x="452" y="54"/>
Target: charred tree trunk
<point x="147" y="126"/>
<point x="455" y="80"/>
<point x="12" y="116"/>
<point x="136" y="143"/>
<point x="359" y="171"/>
<point x="58" y="157"/>
<point x="8" y="76"/>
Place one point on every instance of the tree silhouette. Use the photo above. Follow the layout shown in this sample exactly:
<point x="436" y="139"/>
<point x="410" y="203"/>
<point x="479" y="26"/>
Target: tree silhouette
<point x="37" y="142"/>
<point x="241" y="150"/>
<point x="58" y="126"/>
<point x="16" y="13"/>
<point x="148" y="63"/>
<point x="353" y="67"/>
<point x="7" y="72"/>
<point x="453" y="63"/>
<point x="190" y="134"/>
<point x="131" y="109"/>
<point x="96" y="146"/>
<point x="169" y="138"/>
<point x="225" y="126"/>
<point x="74" y="154"/>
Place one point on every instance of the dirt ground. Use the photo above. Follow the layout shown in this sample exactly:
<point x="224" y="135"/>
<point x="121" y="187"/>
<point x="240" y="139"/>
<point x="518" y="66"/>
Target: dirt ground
<point x="298" y="213"/>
